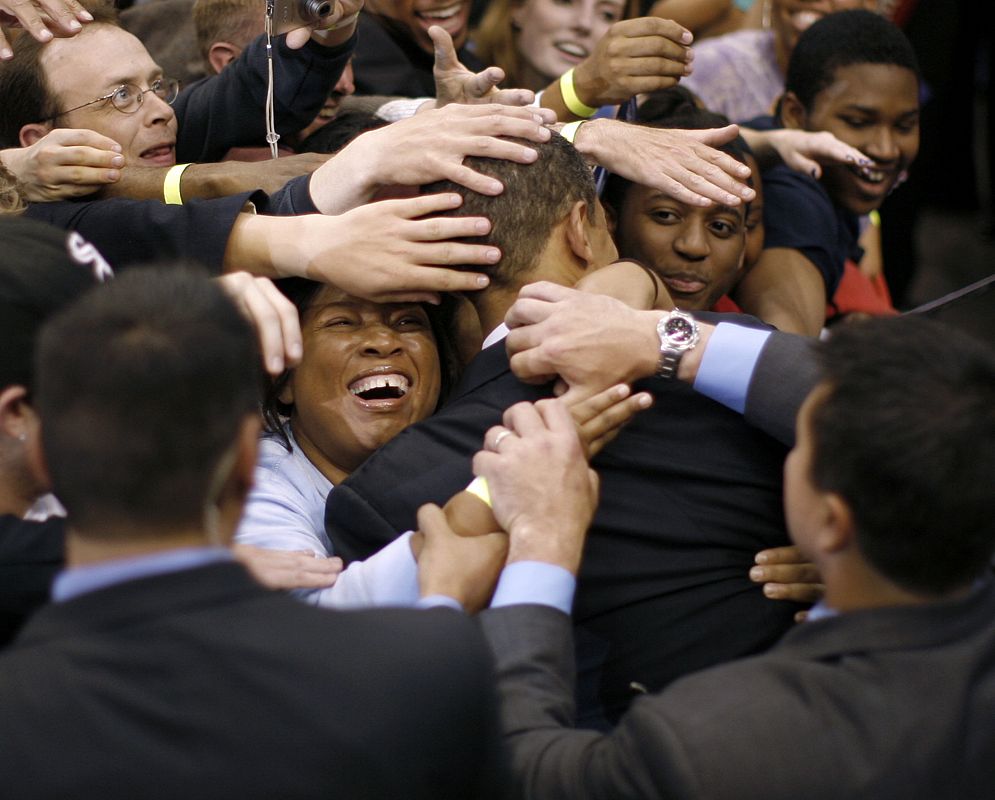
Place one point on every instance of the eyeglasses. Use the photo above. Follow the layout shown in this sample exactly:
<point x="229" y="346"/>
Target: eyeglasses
<point x="128" y="98"/>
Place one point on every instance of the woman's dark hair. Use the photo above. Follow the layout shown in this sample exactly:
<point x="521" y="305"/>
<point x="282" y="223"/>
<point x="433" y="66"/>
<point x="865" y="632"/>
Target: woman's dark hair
<point x="302" y="292"/>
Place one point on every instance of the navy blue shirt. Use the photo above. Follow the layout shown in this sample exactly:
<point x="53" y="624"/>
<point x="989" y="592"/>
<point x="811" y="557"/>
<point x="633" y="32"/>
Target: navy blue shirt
<point x="798" y="213"/>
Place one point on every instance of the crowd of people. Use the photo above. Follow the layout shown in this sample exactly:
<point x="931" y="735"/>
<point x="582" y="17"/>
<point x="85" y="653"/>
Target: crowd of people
<point x="449" y="399"/>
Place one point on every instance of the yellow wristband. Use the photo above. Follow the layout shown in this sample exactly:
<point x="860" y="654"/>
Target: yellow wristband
<point x="171" y="186"/>
<point x="569" y="131"/>
<point x="479" y="488"/>
<point x="875" y="218"/>
<point x="570" y="99"/>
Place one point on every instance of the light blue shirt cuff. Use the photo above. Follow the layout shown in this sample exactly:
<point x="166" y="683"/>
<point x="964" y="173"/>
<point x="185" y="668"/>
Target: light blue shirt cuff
<point x="439" y="601"/>
<point x="728" y="364"/>
<point x="535" y="582"/>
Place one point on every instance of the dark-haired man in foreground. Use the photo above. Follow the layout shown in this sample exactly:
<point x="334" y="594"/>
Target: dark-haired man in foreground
<point x="691" y="492"/>
<point x="161" y="669"/>
<point x="887" y="691"/>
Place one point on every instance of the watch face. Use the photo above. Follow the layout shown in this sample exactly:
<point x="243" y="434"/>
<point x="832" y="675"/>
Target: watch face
<point x="679" y="330"/>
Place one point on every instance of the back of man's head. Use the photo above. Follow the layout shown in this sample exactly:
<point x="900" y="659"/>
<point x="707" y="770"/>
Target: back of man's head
<point x="25" y="95"/>
<point x="536" y="198"/>
<point x="906" y="436"/>
<point x="841" y="40"/>
<point x="237" y="22"/>
<point x="142" y="387"/>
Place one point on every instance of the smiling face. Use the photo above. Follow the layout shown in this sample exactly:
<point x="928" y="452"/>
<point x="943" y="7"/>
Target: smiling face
<point x="420" y="15"/>
<point x="555" y="35"/>
<point x="94" y="63"/>
<point x="698" y="252"/>
<point x="875" y="108"/>
<point x="791" y="18"/>
<point x="368" y="371"/>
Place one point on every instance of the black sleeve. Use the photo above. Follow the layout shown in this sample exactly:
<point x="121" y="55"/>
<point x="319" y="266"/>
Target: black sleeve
<point x="131" y="232"/>
<point x="228" y="110"/>
<point x="799" y="215"/>
<point x="31" y="553"/>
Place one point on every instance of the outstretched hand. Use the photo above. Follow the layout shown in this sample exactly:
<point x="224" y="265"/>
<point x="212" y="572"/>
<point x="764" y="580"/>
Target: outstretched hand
<point x="682" y="164"/>
<point x="66" y="162"/>
<point x="636" y="56"/>
<point x="454" y="83"/>
<point x="388" y="252"/>
<point x="274" y="317"/>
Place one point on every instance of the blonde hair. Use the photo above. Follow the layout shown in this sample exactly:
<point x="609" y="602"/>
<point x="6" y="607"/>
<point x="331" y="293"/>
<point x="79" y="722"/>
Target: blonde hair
<point x="11" y="199"/>
<point x="235" y="21"/>
<point x="496" y="43"/>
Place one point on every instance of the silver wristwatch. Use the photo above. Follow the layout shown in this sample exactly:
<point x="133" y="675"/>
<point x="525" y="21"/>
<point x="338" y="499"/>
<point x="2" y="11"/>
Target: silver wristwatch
<point x="678" y="333"/>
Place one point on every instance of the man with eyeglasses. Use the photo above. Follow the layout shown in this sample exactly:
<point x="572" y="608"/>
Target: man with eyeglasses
<point x="104" y="80"/>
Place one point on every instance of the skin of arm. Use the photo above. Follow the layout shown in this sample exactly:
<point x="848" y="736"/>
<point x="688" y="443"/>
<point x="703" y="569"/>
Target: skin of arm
<point x="221" y="179"/>
<point x="785" y="290"/>
<point x="696" y="15"/>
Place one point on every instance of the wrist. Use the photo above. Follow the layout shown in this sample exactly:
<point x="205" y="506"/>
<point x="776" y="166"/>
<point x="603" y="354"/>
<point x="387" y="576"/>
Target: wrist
<point x="593" y="139"/>
<point x="559" y="549"/>
<point x="687" y="370"/>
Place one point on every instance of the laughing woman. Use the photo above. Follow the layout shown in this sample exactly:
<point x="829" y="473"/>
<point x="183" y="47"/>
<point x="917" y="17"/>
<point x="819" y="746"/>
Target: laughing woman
<point x="367" y="372"/>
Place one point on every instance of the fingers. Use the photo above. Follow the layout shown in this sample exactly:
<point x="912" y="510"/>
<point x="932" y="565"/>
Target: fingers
<point x="641" y="27"/>
<point x="789" y="554"/>
<point x="298" y="37"/>
<point x="64" y="15"/>
<point x="432" y="521"/>
<point x="524" y="420"/>
<point x="795" y="592"/>
<point x="445" y="53"/>
<point x="513" y="97"/>
<point x="272" y="315"/>
<point x="704" y="183"/>
<point x="547" y="291"/>
<point x="30" y="19"/>
<point x="716" y="137"/>
<point x="601" y="417"/>
<point x="786" y="573"/>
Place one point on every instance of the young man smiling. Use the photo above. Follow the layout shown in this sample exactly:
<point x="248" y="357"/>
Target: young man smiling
<point x="855" y="75"/>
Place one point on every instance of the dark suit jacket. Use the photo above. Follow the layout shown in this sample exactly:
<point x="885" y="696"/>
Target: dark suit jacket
<point x="885" y="704"/>
<point x="689" y="494"/>
<point x="201" y="684"/>
<point x="30" y="555"/>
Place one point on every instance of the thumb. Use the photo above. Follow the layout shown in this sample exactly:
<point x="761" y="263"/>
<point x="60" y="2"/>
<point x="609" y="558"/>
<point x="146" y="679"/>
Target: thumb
<point x="445" y="52"/>
<point x="714" y="137"/>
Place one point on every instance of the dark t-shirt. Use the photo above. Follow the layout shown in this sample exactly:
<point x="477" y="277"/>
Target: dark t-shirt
<point x="799" y="214"/>
<point x="388" y="62"/>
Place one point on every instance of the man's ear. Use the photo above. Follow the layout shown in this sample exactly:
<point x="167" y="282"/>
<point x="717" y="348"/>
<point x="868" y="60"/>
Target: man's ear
<point x="578" y="233"/>
<point x="792" y="112"/>
<point x="837" y="532"/>
<point x="14" y="410"/>
<point x="221" y="55"/>
<point x="33" y="131"/>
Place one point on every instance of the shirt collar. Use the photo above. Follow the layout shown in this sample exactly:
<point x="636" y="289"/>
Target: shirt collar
<point x="495" y="336"/>
<point x="75" y="581"/>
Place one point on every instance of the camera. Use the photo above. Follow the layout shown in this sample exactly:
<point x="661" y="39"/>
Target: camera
<point x="291" y="14"/>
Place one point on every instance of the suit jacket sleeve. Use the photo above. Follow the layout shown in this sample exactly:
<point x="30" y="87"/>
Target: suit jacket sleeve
<point x="785" y="373"/>
<point x="227" y="110"/>
<point x="641" y="758"/>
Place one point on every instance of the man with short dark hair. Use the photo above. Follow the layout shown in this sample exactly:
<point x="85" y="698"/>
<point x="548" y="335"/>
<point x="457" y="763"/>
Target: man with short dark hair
<point x="161" y="669"/>
<point x="690" y="491"/>
<point x="887" y="691"/>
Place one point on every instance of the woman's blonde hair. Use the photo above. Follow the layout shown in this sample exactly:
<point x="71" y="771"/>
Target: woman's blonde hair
<point x="494" y="39"/>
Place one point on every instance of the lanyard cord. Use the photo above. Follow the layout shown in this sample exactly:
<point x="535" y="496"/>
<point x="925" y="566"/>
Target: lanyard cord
<point x="272" y="137"/>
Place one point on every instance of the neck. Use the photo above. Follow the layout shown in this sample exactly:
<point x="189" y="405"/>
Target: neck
<point x="89" y="547"/>
<point x="492" y="305"/>
<point x="17" y="494"/>
<point x="335" y="473"/>
<point x="855" y="585"/>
